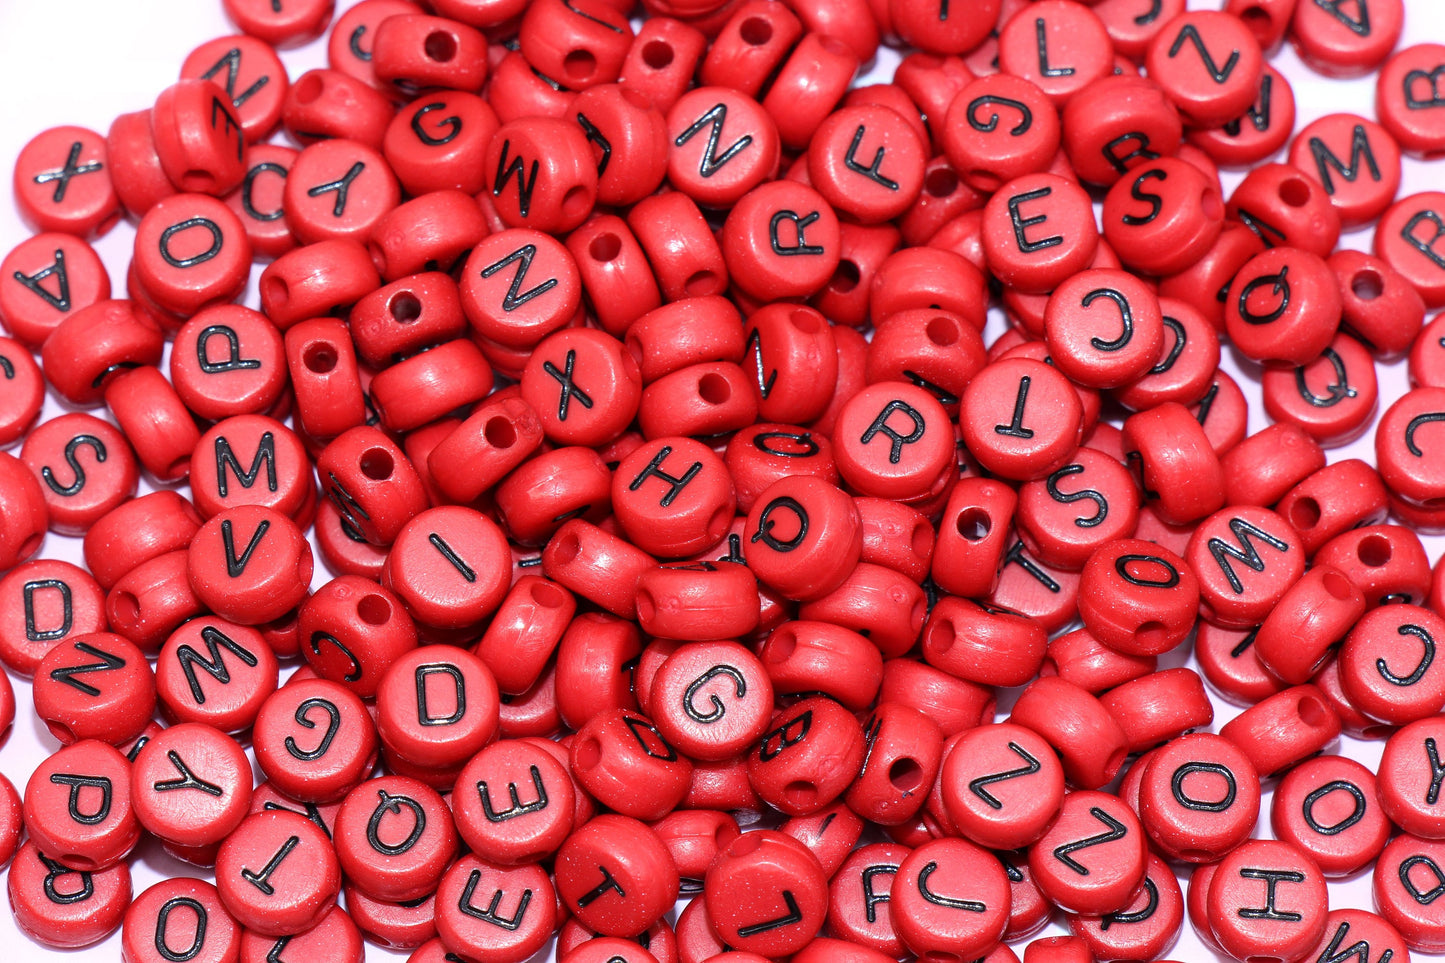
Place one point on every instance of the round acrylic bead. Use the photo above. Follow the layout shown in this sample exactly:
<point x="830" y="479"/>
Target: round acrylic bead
<point x="447" y="565"/>
<point x="806" y="537"/>
<point x="981" y="644"/>
<point x="998" y="128"/>
<point x="1021" y="419"/>
<point x="1328" y="808"/>
<point x="584" y="385"/>
<point x="808" y="758"/>
<point x="1282" y="206"/>
<point x="1004" y="787"/>
<point x="135" y="170"/>
<point x="1245" y="559"/>
<point x="1080" y="658"/>
<point x="1039" y="230"/>
<point x="1333" y="500"/>
<point x="43" y="603"/>
<point x="436" y="707"/>
<point x="1284" y="728"/>
<point x="44" y="279"/>
<point x="867" y="161"/>
<point x="691" y="490"/>
<point x="372" y="483"/>
<point x="394" y="838"/>
<point x="1082" y="339"/>
<point x="1405" y="239"/>
<point x="191" y="785"/>
<point x="1381" y="308"/>
<point x="1163" y="216"/>
<point x="1406" y="97"/>
<point x="1283" y="307"/>
<point x="316" y="280"/>
<point x="294" y="25"/>
<point x="475" y="895"/>
<point x="251" y="460"/>
<point x="556" y="175"/>
<point x="711" y="700"/>
<point x="323" y="104"/>
<point x="1062" y="47"/>
<point x="1267" y="897"/>
<point x="1337" y="44"/>
<point x="1386" y="635"/>
<point x="1147" y="926"/>
<point x="859" y="897"/>
<point x="1387" y="562"/>
<point x="1199" y="798"/>
<point x="98" y="474"/>
<point x="78" y="806"/>
<point x="63" y="908"/>
<point x="633" y="161"/>
<point x="198" y="137"/>
<point x="1090" y="743"/>
<point x="1115" y="124"/>
<point x="338" y="189"/>
<point x="250" y="564"/>
<point x="1093" y="857"/>
<point x="137" y="531"/>
<point x="241" y="677"/>
<point x="1061" y="533"/>
<point x="151" y="600"/>
<point x="1298" y="634"/>
<point x="1407" y="779"/>
<point x="1407" y="882"/>
<point x="1263" y="467"/>
<point x="277" y="874"/>
<point x="415" y="52"/>
<point x="615" y="876"/>
<point x="251" y="74"/>
<point x="1333" y="398"/>
<point x="597" y="565"/>
<point x="514" y="802"/>
<point x="621" y="758"/>
<point x="324" y="378"/>
<point x="766" y="879"/>
<point x="352" y="629"/>
<point x="1208" y="63"/>
<point x="62" y="182"/>
<point x="89" y="348"/>
<point x="1137" y="597"/>
<point x="951" y="898"/>
<point x="179" y="918"/>
<point x="314" y="740"/>
<point x="94" y="686"/>
<point x="191" y="251"/>
<point x="439" y="142"/>
<point x="1356" y="161"/>
<point x="1159" y="707"/>
<point x="155" y="420"/>
<point x="1259" y="131"/>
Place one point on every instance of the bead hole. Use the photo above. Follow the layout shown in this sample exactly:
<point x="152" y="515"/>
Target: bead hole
<point x="845" y="277"/>
<point x="1313" y="712"/>
<point x="1295" y="192"/>
<point x="646" y="607"/>
<point x="700" y="284"/>
<point x="548" y="595"/>
<point x="579" y="64"/>
<point x="499" y="432"/>
<point x="309" y="88"/>
<point x="319" y="358"/>
<point x="373" y="610"/>
<point x="974" y="524"/>
<point x="567" y="548"/>
<point x="657" y="54"/>
<point x="714" y="389"/>
<point x="1304" y="514"/>
<point x="587" y="754"/>
<point x="1367" y="284"/>
<point x="127" y="608"/>
<point x="1338" y="586"/>
<point x="376" y="464"/>
<point x="1374" y="551"/>
<point x="807" y="322"/>
<point x="576" y="201"/>
<point x="940" y="182"/>
<point x="275" y="290"/>
<point x="922" y="540"/>
<point x="756" y="31"/>
<point x="905" y="775"/>
<point x="942" y="331"/>
<point x="440" y="46"/>
<point x="746" y="844"/>
<point x="405" y="307"/>
<point x="1152" y="634"/>
<point x="799" y="794"/>
<point x="605" y="247"/>
<point x="781" y="646"/>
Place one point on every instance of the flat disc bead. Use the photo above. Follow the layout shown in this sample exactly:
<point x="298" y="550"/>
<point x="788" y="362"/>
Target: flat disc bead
<point x="1328" y="807"/>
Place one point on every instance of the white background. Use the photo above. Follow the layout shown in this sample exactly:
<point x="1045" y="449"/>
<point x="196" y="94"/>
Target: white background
<point x="85" y="61"/>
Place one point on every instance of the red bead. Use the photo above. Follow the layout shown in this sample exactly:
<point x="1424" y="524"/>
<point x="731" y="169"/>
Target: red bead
<point x="1245" y="558"/>
<point x="293" y="858"/>
<point x="44" y="603"/>
<point x="316" y="280"/>
<point x="905" y="751"/>
<point x="1146" y="927"/>
<point x="699" y="601"/>
<point x="696" y="503"/>
<point x="57" y="910"/>
<point x="751" y="45"/>
<point x="78" y="806"/>
<point x="1282" y="206"/>
<point x="113" y="698"/>
<point x="868" y="162"/>
<point x="662" y="60"/>
<point x="1406" y="880"/>
<point x="809" y="85"/>
<point x="46" y="278"/>
<point x="1381" y="308"/>
<point x="198" y="137"/>
<point x="1060" y="533"/>
<point x="584" y="385"/>
<point x="1081" y="337"/>
<point x="1336" y="146"/>
<point x="1386" y="562"/>
<point x="515" y="803"/>
<point x="808" y="758"/>
<point x="240" y="681"/>
<point x="251" y="74"/>
<point x="768" y="879"/>
<point x="1387" y="635"/>
<point x="1283" y="729"/>
<point x="684" y="254"/>
<point x="597" y="565"/>
<point x="62" y="183"/>
<point x="1199" y="798"/>
<point x="859" y="900"/>
<point x="372" y="483"/>
<point x="524" y="631"/>
<point x="191" y="252"/>
<point x="266" y="560"/>
<point x="1080" y="658"/>
<point x="1114" y="125"/>
<point x="98" y="471"/>
<point x="437" y="706"/>
<point x="88" y="349"/>
<point x="23" y="512"/>
<point x="1038" y="230"/>
<point x="738" y="148"/>
<point x="1406" y="95"/>
<point x="324" y="378"/>
<point x="1260" y="130"/>
<point x="931" y="279"/>
<point x="1004" y="788"/>
<point x="1310" y="618"/>
<point x="781" y="241"/>
<point x="135" y="170"/>
<point x="614" y="272"/>
<point x="1201" y="284"/>
<point x="983" y="645"/>
<point x="1407" y="776"/>
<point x="1159" y="707"/>
<point x="616" y="876"/>
<point x="349" y="45"/>
<point x="474" y="895"/>
<point x="154" y="419"/>
<point x="338" y="190"/>
<point x="448" y="565"/>
<point x="1283" y="307"/>
<point x="1093" y="857"/>
<point x="1266" y="465"/>
<point x="315" y="766"/>
<point x="1020" y="418"/>
<point x="1033" y="589"/>
<point x="394" y="838"/>
<point x="1267" y="897"/>
<point x="1062" y="47"/>
<point x="413" y="52"/>
<point x="297" y="24"/>
<point x="951" y="897"/>
<point x="1328" y="808"/>
<point x="353" y="629"/>
<point x="335" y="937"/>
<point x="1188" y="60"/>
<point x="580" y="47"/>
<point x="1339" y="45"/>
<point x="621" y="759"/>
<point x="1333" y="500"/>
<point x="151" y="600"/>
<point x="555" y="197"/>
<point x="440" y="142"/>
<point x="808" y="516"/>
<point x="1076" y="724"/>
<point x="192" y="785"/>
<point x="1162" y="217"/>
<point x="1138" y="597"/>
<point x="1333" y="399"/>
<point x="179" y="913"/>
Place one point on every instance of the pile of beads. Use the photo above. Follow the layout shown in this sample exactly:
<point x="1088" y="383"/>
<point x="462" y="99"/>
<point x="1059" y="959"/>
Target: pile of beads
<point x="625" y="363"/>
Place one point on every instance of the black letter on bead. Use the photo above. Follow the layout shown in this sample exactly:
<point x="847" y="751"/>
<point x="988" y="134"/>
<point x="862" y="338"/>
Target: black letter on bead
<point x="1176" y="786"/>
<point x="1020" y="223"/>
<point x="766" y="525"/>
<point x="1115" y="830"/>
<point x="76" y="784"/>
<point x="714" y="119"/>
<point x="489" y="914"/>
<point x="341" y="186"/>
<point x="395" y="804"/>
<point x="1223" y="551"/>
<point x="215" y="665"/>
<point x="518" y="808"/>
<point x="34" y="633"/>
<point x="1030" y="766"/>
<point x="197" y="941"/>
<point x="880" y="426"/>
<point x="459" y="685"/>
<point x="1272" y="878"/>
<point x="967" y="905"/>
<point x="333" y="726"/>
<point x="654" y="470"/>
